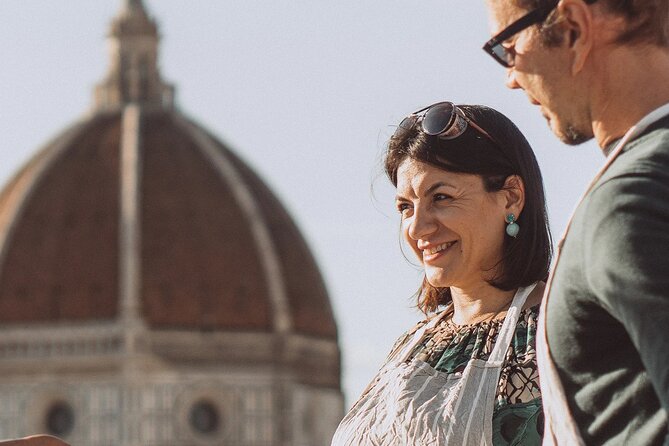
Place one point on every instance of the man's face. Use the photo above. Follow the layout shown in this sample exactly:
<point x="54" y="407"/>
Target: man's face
<point x="543" y="73"/>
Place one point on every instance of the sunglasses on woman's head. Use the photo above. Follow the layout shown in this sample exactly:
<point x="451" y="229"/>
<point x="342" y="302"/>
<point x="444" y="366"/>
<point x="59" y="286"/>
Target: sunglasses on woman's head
<point x="443" y="119"/>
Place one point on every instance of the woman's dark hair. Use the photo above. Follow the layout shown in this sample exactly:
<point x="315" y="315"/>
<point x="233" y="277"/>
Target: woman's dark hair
<point x="527" y="257"/>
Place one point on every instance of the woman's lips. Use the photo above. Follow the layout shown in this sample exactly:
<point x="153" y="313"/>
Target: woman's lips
<point x="437" y="251"/>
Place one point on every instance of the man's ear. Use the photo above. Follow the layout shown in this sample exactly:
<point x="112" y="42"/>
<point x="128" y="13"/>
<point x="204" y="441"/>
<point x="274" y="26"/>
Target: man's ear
<point x="514" y="195"/>
<point x="577" y="21"/>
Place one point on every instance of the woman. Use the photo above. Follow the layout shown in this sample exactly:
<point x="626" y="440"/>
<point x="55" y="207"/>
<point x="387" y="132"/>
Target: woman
<point x="472" y="207"/>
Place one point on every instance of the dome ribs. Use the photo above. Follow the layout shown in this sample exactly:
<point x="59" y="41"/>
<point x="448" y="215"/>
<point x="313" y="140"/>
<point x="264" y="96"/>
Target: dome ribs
<point x="60" y="262"/>
<point x="199" y="266"/>
<point x="252" y="217"/>
<point x="202" y="264"/>
<point x="307" y="295"/>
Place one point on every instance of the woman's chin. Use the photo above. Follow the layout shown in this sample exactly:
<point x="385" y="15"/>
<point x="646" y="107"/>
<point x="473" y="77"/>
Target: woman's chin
<point x="438" y="280"/>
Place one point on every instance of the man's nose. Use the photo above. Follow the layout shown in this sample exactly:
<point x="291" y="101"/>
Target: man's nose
<point x="511" y="81"/>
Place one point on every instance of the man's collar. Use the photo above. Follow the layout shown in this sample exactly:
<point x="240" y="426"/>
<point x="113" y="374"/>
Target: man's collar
<point x="641" y="127"/>
<point x="651" y="118"/>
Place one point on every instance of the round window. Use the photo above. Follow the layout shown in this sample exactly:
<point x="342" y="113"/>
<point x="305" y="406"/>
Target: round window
<point x="60" y="419"/>
<point x="204" y="418"/>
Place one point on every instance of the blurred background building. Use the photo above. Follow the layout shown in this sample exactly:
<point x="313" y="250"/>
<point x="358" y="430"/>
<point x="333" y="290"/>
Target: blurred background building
<point x="153" y="290"/>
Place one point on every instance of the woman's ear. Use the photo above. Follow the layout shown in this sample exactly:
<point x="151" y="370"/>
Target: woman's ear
<point x="514" y="195"/>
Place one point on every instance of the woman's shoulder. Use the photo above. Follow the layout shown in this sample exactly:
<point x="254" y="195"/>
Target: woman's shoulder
<point x="407" y="335"/>
<point x="432" y="318"/>
<point x="535" y="297"/>
<point x="404" y="337"/>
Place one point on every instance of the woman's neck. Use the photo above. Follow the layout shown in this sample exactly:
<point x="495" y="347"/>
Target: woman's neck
<point x="481" y="303"/>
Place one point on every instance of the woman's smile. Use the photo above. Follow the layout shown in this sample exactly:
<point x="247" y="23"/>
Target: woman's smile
<point x="451" y="222"/>
<point x="432" y="253"/>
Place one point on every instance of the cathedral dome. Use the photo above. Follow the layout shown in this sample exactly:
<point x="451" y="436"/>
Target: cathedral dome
<point x="153" y="289"/>
<point x="137" y="212"/>
<point x="144" y="198"/>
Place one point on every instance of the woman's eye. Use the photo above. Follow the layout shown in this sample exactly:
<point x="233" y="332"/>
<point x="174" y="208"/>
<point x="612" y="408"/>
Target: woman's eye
<point x="402" y="208"/>
<point x="441" y="197"/>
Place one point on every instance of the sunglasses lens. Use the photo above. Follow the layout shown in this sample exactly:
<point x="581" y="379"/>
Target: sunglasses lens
<point x="438" y="118"/>
<point x="502" y="55"/>
<point x="405" y="126"/>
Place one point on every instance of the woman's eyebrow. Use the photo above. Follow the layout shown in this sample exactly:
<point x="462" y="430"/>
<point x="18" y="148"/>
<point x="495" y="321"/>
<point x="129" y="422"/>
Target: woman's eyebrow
<point x="437" y="185"/>
<point x="431" y="189"/>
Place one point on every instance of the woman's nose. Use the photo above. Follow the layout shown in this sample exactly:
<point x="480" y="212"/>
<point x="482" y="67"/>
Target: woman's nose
<point x="421" y="225"/>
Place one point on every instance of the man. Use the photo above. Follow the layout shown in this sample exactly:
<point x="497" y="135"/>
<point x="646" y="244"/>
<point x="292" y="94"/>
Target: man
<point x="600" y="68"/>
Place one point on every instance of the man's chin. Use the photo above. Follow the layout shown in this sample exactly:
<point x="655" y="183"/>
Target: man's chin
<point x="570" y="135"/>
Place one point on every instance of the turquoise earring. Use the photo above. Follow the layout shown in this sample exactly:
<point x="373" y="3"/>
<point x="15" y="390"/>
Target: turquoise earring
<point x="512" y="227"/>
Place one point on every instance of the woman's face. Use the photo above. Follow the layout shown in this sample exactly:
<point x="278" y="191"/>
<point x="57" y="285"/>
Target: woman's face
<point x="455" y="227"/>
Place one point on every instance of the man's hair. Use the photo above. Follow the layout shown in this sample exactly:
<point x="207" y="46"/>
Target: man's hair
<point x="647" y="20"/>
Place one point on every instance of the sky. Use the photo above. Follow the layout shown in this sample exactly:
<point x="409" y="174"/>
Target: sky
<point x="308" y="93"/>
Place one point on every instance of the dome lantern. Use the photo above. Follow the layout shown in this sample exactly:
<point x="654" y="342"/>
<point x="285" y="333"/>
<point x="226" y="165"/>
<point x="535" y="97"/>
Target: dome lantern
<point x="133" y="75"/>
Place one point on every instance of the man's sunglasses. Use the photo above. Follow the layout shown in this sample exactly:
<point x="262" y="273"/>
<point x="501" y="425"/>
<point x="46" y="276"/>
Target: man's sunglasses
<point x="443" y="119"/>
<point x="506" y="56"/>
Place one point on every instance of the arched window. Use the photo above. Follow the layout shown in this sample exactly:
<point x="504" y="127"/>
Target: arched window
<point x="59" y="419"/>
<point x="205" y="418"/>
